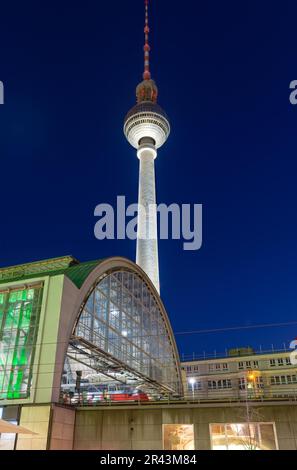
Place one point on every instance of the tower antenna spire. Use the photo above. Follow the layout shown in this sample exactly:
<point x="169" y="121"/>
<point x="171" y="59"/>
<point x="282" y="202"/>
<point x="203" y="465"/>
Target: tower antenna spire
<point x="146" y="48"/>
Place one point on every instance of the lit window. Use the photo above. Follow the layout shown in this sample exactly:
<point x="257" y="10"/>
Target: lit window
<point x="194" y="386"/>
<point x="259" y="382"/>
<point x="243" y="436"/>
<point x="178" y="437"/>
<point x="19" y="319"/>
<point x="9" y="414"/>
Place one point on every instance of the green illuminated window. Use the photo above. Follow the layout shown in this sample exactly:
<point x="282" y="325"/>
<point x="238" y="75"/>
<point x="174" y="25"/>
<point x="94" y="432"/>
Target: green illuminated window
<point x="19" y="318"/>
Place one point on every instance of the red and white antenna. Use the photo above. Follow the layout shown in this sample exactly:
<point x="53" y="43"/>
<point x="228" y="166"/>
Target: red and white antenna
<point x="146" y="48"/>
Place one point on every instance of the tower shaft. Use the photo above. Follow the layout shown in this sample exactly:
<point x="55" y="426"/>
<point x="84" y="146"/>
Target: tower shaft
<point x="147" y="239"/>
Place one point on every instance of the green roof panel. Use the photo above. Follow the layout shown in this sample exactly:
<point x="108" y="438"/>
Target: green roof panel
<point x="77" y="272"/>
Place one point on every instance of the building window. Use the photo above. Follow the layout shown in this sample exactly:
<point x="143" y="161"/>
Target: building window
<point x="243" y="436"/>
<point x="212" y="384"/>
<point x="288" y="361"/>
<point x="256" y="364"/>
<point x="241" y="383"/>
<point x="178" y="437"/>
<point x="240" y="365"/>
<point x="280" y="361"/>
<point x="196" y="368"/>
<point x="259" y="382"/>
<point x="10" y="414"/>
<point x="218" y="366"/>
<point x="248" y="365"/>
<point x="189" y="368"/>
<point x="194" y="386"/>
<point x="227" y="383"/>
<point x="272" y="362"/>
<point x="283" y="379"/>
<point x="219" y="384"/>
<point x="19" y="320"/>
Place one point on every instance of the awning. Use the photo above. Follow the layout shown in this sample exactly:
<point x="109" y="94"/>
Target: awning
<point x="7" y="427"/>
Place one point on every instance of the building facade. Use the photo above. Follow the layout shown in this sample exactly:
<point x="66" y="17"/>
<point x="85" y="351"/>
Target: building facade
<point x="75" y="332"/>
<point x="262" y="376"/>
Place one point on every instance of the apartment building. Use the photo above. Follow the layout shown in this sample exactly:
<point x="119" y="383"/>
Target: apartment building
<point x="242" y="374"/>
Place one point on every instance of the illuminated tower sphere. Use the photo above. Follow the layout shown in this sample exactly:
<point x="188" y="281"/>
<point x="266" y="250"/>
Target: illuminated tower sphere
<point x="147" y="128"/>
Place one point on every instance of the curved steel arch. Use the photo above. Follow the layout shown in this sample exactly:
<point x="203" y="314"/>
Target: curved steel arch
<point x="105" y="269"/>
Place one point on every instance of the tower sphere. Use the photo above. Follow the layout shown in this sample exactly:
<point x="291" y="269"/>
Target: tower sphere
<point x="146" y="120"/>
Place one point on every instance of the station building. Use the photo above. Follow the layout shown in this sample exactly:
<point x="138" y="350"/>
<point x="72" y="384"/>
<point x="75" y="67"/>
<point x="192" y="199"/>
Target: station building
<point x="88" y="360"/>
<point x="74" y="331"/>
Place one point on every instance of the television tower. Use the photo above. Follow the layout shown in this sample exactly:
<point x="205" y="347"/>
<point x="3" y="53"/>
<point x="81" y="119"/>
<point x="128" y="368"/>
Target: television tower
<point x="147" y="128"/>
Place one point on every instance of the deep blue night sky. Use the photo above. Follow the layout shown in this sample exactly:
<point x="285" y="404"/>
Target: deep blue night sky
<point x="223" y="70"/>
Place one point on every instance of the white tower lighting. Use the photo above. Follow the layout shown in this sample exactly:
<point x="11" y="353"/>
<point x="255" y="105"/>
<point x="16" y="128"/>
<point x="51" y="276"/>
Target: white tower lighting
<point x="147" y="128"/>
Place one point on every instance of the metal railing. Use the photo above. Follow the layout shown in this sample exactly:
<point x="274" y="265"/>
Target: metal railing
<point x="198" y="397"/>
<point x="226" y="354"/>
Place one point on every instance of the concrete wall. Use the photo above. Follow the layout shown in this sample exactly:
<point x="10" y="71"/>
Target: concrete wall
<point x="62" y="428"/>
<point x="36" y="419"/>
<point x="141" y="428"/>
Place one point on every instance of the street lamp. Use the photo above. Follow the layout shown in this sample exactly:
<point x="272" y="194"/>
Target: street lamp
<point x="251" y="379"/>
<point x="192" y="382"/>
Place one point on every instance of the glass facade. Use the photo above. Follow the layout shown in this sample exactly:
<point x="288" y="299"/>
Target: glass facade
<point x="19" y="319"/>
<point x="10" y="414"/>
<point x="178" y="437"/>
<point x="243" y="436"/>
<point x="121" y="317"/>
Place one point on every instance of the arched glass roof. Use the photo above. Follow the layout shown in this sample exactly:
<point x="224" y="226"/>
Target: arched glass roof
<point x="122" y="343"/>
